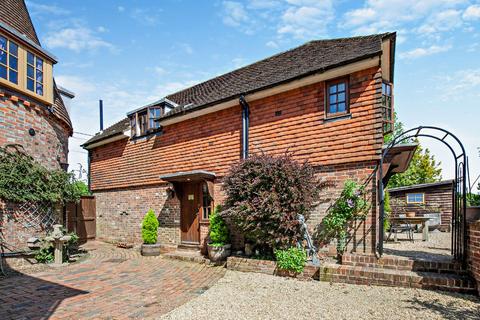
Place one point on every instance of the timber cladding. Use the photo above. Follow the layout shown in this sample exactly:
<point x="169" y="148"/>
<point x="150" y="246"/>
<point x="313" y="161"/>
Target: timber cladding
<point x="437" y="199"/>
<point x="292" y="121"/>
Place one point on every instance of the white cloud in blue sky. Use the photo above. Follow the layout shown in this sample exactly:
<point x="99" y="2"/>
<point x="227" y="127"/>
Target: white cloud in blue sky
<point x="132" y="52"/>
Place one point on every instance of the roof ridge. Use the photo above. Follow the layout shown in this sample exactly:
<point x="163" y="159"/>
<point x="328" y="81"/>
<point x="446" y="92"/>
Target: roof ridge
<point x="279" y="54"/>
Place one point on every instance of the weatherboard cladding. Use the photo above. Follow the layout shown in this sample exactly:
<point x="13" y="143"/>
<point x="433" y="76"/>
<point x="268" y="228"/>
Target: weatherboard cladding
<point x="212" y="142"/>
<point x="310" y="58"/>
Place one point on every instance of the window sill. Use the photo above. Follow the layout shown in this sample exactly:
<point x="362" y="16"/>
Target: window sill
<point x="344" y="116"/>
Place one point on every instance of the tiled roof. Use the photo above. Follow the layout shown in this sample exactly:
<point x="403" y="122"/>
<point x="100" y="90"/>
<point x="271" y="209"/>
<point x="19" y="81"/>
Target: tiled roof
<point x="312" y="57"/>
<point x="111" y="131"/>
<point x="15" y="14"/>
<point x="423" y="185"/>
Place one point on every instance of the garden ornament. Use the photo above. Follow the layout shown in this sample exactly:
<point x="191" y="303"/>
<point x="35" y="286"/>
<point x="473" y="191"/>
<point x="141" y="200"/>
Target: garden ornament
<point x="311" y="250"/>
<point x="58" y="238"/>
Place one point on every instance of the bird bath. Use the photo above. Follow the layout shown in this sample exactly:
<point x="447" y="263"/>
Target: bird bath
<point x="58" y="239"/>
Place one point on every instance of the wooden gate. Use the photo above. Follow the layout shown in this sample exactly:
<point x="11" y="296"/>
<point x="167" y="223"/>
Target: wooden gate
<point x="80" y="218"/>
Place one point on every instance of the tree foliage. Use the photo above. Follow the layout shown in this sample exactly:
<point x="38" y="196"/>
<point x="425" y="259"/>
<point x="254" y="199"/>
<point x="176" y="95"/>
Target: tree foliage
<point x="150" y="228"/>
<point x="264" y="196"/>
<point x="22" y="179"/>
<point x="423" y="167"/>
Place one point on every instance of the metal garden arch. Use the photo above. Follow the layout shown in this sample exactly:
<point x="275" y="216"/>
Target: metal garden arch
<point x="459" y="200"/>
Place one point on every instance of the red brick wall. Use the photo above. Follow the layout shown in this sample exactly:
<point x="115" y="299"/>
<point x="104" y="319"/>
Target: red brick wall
<point x="473" y="250"/>
<point x="49" y="147"/>
<point x="212" y="142"/>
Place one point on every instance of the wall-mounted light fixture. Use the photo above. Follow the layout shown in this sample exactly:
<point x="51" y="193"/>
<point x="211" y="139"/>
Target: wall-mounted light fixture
<point x="32" y="132"/>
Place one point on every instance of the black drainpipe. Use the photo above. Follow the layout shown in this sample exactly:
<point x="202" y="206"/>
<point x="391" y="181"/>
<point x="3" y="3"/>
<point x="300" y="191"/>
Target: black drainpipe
<point x="245" y="125"/>
<point x="89" y="163"/>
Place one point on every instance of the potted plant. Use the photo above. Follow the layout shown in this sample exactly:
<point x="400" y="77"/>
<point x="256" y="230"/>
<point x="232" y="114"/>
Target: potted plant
<point x="150" y="247"/>
<point x="218" y="247"/>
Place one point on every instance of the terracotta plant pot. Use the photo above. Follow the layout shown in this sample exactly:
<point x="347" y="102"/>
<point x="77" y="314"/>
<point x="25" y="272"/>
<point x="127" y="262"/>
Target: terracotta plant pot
<point x="410" y="214"/>
<point x="218" y="253"/>
<point x="150" y="249"/>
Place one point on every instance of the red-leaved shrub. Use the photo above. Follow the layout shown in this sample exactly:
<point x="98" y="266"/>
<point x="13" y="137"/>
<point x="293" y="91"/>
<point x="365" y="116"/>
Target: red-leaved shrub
<point x="264" y="195"/>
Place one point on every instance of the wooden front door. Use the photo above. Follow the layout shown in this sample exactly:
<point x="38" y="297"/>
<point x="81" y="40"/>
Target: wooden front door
<point x="189" y="209"/>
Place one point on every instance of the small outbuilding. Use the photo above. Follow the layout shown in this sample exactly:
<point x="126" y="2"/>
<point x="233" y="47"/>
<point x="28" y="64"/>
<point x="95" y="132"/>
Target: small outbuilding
<point x="428" y="199"/>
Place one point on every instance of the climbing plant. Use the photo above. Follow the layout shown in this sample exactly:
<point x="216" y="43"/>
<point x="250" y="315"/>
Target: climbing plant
<point x="22" y="179"/>
<point x="349" y="207"/>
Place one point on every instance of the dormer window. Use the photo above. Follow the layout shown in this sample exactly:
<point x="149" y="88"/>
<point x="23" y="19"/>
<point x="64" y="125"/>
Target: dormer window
<point x="154" y="113"/>
<point x="34" y="73"/>
<point x="8" y="60"/>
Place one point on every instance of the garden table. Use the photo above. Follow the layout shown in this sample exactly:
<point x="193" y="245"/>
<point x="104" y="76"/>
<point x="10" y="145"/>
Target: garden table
<point x="424" y="221"/>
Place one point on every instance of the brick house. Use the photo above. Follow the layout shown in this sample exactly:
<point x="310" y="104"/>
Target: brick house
<point x="32" y="109"/>
<point x="434" y="199"/>
<point x="327" y="101"/>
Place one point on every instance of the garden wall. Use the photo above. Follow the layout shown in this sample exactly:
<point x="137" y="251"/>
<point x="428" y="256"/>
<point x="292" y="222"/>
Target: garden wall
<point x="473" y="250"/>
<point x="268" y="267"/>
<point x="19" y="222"/>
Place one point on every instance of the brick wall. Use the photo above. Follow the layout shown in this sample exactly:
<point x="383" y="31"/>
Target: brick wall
<point x="120" y="212"/>
<point x="49" y="146"/>
<point x="292" y="121"/>
<point x="473" y="250"/>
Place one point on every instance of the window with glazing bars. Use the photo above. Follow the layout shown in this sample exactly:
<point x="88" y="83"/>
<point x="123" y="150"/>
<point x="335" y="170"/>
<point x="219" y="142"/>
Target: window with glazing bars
<point x="8" y="60"/>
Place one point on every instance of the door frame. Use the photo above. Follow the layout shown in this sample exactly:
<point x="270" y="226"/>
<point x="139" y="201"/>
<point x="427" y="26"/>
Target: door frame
<point x="197" y="202"/>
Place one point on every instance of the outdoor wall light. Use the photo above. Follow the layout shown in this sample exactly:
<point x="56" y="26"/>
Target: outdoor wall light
<point x="32" y="132"/>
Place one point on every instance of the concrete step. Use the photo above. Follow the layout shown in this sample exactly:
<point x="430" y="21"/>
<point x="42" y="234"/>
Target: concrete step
<point x="403" y="263"/>
<point x="397" y="278"/>
<point x="187" y="255"/>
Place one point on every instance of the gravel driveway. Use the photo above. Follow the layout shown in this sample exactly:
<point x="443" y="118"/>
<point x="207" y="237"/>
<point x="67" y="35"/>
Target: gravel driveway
<point x="257" y="296"/>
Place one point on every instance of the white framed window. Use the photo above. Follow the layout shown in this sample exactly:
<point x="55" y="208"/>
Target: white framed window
<point x="415" y="197"/>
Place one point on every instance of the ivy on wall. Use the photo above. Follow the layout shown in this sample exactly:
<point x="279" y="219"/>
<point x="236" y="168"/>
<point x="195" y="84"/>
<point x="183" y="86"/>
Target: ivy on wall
<point x="22" y="179"/>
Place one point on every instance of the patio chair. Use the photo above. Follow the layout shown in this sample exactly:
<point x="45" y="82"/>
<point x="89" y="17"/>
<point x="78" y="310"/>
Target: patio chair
<point x="404" y="227"/>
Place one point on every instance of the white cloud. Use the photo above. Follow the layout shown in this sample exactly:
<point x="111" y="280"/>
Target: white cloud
<point x="41" y="9"/>
<point x="263" y="4"/>
<point x="76" y="38"/>
<point x="381" y="16"/>
<point x="146" y="17"/>
<point x="442" y="21"/>
<point x="472" y="13"/>
<point x="80" y="86"/>
<point x="423" y="52"/>
<point x="159" y="71"/>
<point x="120" y="9"/>
<point x="307" y="19"/>
<point x="272" y="44"/>
<point x="234" y="13"/>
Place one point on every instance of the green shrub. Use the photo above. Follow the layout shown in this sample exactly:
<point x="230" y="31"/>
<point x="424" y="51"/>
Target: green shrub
<point x="22" y="179"/>
<point x="292" y="259"/>
<point x="150" y="228"/>
<point x="219" y="234"/>
<point x="387" y="209"/>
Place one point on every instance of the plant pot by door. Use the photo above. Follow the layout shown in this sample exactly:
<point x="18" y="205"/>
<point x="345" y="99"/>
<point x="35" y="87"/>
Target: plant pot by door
<point x="150" y="249"/>
<point x="218" y="253"/>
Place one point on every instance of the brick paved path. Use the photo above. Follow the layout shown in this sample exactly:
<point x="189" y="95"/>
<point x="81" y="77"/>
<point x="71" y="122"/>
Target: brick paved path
<point x="111" y="284"/>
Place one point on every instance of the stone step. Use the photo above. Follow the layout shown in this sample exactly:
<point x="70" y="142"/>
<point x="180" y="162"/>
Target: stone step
<point x="331" y="272"/>
<point x="185" y="255"/>
<point x="404" y="263"/>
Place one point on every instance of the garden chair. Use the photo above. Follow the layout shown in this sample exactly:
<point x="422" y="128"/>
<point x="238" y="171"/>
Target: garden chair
<point x="403" y="227"/>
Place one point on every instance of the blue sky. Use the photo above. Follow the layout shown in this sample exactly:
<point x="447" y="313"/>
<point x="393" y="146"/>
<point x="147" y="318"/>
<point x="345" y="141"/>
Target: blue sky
<point x="129" y="53"/>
